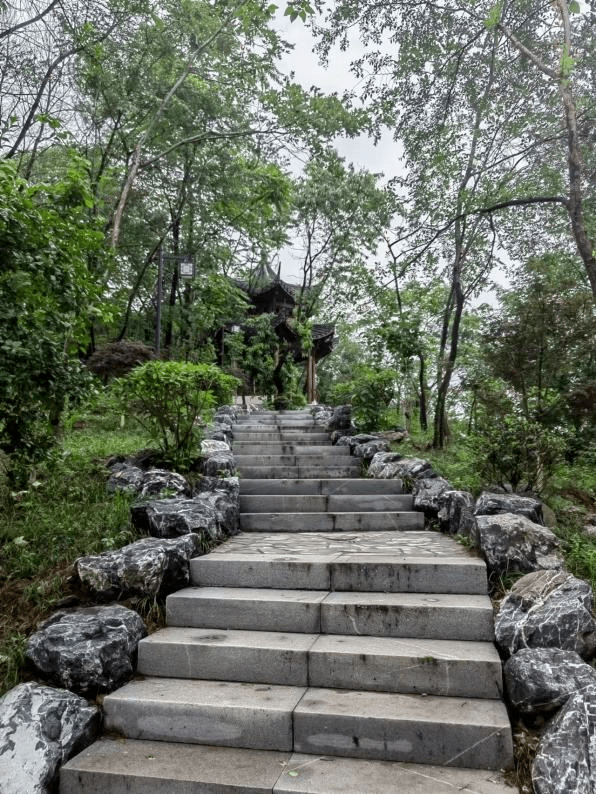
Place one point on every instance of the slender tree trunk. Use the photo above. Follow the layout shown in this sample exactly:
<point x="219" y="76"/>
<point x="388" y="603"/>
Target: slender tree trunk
<point x="173" y="287"/>
<point x="423" y="392"/>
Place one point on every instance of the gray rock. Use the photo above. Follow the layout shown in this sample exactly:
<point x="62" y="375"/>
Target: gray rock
<point x="490" y="504"/>
<point x="337" y="436"/>
<point x="341" y="418"/>
<point x="213" y="513"/>
<point x="357" y="439"/>
<point x="231" y="485"/>
<point x="547" y="609"/>
<point x="456" y="513"/>
<point x="87" y="650"/>
<point x="385" y="465"/>
<point x="565" y="761"/>
<point x="514" y="543"/>
<point x="427" y="493"/>
<point x="211" y="446"/>
<point x="230" y="411"/>
<point x="161" y="481"/>
<point x="369" y="449"/>
<point x="218" y="434"/>
<point x="218" y="464"/>
<point x="40" y="729"/>
<point x="132" y="479"/>
<point x="540" y="680"/>
<point x="125" y="477"/>
<point x="148" y="567"/>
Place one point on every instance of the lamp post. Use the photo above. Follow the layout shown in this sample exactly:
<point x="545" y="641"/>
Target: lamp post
<point x="186" y="270"/>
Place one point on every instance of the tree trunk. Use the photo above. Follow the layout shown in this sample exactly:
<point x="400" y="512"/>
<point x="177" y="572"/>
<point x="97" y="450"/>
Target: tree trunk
<point x="423" y="391"/>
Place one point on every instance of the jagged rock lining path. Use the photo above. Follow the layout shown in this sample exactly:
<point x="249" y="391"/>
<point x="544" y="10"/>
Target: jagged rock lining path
<point x="333" y="646"/>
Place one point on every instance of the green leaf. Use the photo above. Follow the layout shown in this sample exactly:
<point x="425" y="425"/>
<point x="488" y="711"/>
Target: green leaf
<point x="494" y="16"/>
<point x="574" y="7"/>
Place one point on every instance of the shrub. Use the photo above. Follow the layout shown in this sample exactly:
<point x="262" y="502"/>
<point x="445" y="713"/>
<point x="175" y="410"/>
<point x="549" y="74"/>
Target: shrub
<point x="517" y="451"/>
<point x="369" y="394"/>
<point x="173" y="401"/>
<point x="118" y="359"/>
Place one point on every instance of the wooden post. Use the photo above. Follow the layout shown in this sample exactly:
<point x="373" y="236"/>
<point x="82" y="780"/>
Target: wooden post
<point x="311" y="379"/>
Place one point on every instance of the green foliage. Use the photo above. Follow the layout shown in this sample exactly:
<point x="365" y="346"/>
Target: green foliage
<point x="370" y="394"/>
<point x="47" y="296"/>
<point x="517" y="451"/>
<point x="173" y="401"/>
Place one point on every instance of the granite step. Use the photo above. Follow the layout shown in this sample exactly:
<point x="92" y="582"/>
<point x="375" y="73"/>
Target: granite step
<point x="372" y="562"/>
<point x="329" y="457"/>
<point x="274" y="433"/>
<point x="350" y="723"/>
<point x="286" y="448"/>
<point x="293" y="487"/>
<point x="405" y="615"/>
<point x="383" y="664"/>
<point x="325" y="503"/>
<point x="126" y="766"/>
<point x="303" y="471"/>
<point x="332" y="522"/>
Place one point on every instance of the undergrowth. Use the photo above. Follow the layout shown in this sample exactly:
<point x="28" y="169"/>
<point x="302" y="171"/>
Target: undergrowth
<point x="64" y="512"/>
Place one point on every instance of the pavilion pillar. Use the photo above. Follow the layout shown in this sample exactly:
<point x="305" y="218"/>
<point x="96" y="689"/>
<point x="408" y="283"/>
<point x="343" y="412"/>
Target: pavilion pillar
<point x="311" y="379"/>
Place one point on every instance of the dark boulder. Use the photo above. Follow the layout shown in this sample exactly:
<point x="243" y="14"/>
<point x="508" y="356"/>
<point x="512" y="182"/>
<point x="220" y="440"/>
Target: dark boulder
<point x="512" y="542"/>
<point x="547" y="609"/>
<point x="148" y="567"/>
<point x="490" y="504"/>
<point x="87" y="650"/>
<point x="540" y="680"/>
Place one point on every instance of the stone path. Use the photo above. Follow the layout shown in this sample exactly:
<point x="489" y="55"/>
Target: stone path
<point x="333" y="646"/>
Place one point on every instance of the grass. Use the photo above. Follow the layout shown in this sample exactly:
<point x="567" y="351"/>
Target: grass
<point x="64" y="513"/>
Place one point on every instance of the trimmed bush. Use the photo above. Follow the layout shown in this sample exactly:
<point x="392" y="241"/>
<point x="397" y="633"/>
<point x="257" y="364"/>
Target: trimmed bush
<point x="173" y="401"/>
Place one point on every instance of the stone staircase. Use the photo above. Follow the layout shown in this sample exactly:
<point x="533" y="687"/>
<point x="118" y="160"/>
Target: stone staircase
<point x="333" y="646"/>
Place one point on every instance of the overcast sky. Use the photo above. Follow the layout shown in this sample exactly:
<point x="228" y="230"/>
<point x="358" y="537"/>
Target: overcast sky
<point x="383" y="158"/>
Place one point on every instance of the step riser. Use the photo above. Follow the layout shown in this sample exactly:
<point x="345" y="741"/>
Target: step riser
<point x="298" y="439"/>
<point x="329" y="722"/>
<point x="306" y="472"/>
<point x="350" y="487"/>
<point x="254" y="720"/>
<point x="389" y="738"/>
<point x="285" y="448"/>
<point x="331" y="522"/>
<point x="336" y="615"/>
<point x="361" y="575"/>
<point x="104" y="767"/>
<point x="332" y="458"/>
<point x="329" y="662"/>
<point x="325" y="504"/>
<point x="274" y="433"/>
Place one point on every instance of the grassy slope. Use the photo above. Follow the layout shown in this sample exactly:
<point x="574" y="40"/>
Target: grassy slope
<point x="65" y="513"/>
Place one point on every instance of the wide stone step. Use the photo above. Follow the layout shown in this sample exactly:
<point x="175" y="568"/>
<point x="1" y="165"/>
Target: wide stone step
<point x="331" y="522"/>
<point x="298" y="424"/>
<point x="293" y="437"/>
<point x="331" y="456"/>
<point x="332" y="503"/>
<point x="375" y="725"/>
<point x="417" y="562"/>
<point x="289" y="487"/>
<point x="305" y="471"/>
<point x="383" y="664"/>
<point x="283" y="450"/>
<point x="286" y="448"/>
<point x="223" y="713"/>
<point x="274" y="432"/>
<point x="278" y="421"/>
<point x="409" y="728"/>
<point x="144" y="767"/>
<point x="410" y="615"/>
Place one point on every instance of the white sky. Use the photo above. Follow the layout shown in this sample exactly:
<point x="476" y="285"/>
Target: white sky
<point x="383" y="158"/>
